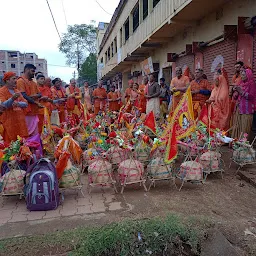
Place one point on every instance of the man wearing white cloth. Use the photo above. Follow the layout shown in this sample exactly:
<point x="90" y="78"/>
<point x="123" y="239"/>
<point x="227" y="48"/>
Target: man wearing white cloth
<point x="152" y="96"/>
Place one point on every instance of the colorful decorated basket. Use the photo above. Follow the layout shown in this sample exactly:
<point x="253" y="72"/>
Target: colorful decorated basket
<point x="100" y="172"/>
<point x="70" y="177"/>
<point x="210" y="160"/>
<point x="244" y="155"/>
<point x="191" y="171"/>
<point x="142" y="152"/>
<point x="158" y="169"/>
<point x="116" y="155"/>
<point x="90" y="156"/>
<point x="130" y="171"/>
<point x="12" y="183"/>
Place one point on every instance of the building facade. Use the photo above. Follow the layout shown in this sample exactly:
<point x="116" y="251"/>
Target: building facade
<point x="15" y="61"/>
<point x="155" y="36"/>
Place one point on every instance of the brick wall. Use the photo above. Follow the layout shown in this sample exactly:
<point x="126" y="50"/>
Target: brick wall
<point x="188" y="60"/>
<point x="225" y="50"/>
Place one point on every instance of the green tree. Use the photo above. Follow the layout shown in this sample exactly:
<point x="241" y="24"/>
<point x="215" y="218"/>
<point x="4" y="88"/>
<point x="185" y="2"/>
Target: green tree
<point x="78" y="43"/>
<point x="88" y="71"/>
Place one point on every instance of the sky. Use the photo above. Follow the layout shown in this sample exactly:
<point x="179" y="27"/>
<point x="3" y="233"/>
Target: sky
<point x="27" y="26"/>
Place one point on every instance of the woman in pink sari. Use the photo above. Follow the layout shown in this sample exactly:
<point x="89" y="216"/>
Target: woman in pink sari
<point x="243" y="116"/>
<point x="219" y="101"/>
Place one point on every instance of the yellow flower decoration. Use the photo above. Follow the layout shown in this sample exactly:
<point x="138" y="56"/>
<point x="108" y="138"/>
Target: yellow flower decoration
<point x="100" y="141"/>
<point x="104" y="134"/>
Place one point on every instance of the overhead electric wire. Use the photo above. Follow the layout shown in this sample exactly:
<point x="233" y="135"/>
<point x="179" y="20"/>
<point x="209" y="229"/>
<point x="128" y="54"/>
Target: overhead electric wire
<point x="63" y="8"/>
<point x="61" y="66"/>
<point x="53" y="19"/>
<point x="103" y="8"/>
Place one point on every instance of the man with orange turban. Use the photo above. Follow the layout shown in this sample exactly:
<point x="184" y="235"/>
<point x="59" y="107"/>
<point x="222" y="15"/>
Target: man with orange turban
<point x="30" y="91"/>
<point x="13" y="118"/>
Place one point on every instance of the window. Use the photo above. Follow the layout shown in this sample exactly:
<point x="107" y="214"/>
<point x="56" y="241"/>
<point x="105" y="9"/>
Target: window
<point x="101" y="60"/>
<point x="136" y="17"/>
<point x="109" y="53"/>
<point x="112" y="49"/>
<point x="121" y="36"/>
<point x="39" y="65"/>
<point x="21" y="62"/>
<point x="106" y="56"/>
<point x="12" y="65"/>
<point x="155" y="2"/>
<point x="3" y="62"/>
<point x="126" y="29"/>
<point x="145" y="9"/>
<point x="115" y="44"/>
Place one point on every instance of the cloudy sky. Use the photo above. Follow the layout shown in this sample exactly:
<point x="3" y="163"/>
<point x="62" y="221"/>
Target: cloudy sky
<point x="27" y="26"/>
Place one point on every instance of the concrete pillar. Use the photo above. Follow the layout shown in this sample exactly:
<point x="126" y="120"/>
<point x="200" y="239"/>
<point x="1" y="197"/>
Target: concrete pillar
<point x="125" y="81"/>
<point x="150" y="6"/>
<point x="6" y="61"/>
<point x="123" y="37"/>
<point x="141" y="10"/>
<point x="18" y="63"/>
<point x="130" y="24"/>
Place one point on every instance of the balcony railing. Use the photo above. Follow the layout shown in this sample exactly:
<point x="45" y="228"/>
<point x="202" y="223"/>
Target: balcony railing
<point x="162" y="12"/>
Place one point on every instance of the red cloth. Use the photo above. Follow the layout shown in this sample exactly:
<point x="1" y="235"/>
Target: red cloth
<point x="172" y="149"/>
<point x="150" y="122"/>
<point x="8" y="75"/>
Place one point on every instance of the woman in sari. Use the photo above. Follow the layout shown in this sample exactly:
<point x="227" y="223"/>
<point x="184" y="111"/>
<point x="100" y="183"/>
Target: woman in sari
<point x="243" y="116"/>
<point x="219" y="101"/>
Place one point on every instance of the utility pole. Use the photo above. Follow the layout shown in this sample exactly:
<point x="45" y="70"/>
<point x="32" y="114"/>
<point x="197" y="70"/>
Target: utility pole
<point x="78" y="59"/>
<point x="74" y="74"/>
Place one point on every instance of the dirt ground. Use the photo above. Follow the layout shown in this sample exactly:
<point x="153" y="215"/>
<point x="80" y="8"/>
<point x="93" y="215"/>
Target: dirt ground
<point x="228" y="204"/>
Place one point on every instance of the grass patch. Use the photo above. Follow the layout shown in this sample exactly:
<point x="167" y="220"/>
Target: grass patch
<point x="157" y="236"/>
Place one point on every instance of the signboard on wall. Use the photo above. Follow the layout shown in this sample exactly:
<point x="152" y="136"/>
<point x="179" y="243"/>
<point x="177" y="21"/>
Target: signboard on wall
<point x="147" y="66"/>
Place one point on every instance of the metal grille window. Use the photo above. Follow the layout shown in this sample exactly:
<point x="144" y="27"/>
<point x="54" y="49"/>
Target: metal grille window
<point x="155" y="2"/>
<point x="126" y="28"/>
<point x="145" y="9"/>
<point x="136" y="17"/>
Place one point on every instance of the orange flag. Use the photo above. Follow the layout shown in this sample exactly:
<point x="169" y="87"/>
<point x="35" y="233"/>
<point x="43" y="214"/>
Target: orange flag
<point x="150" y="122"/>
<point x="172" y="148"/>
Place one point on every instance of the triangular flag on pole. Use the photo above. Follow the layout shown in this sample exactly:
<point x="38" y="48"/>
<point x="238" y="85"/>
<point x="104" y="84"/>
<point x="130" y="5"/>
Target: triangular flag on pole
<point x="172" y="148"/>
<point x="184" y="116"/>
<point x="150" y="122"/>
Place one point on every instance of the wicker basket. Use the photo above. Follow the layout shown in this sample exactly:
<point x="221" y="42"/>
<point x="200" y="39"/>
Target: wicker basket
<point x="116" y="155"/>
<point x="142" y="152"/>
<point x="244" y="155"/>
<point x="70" y="177"/>
<point x="130" y="171"/>
<point x="191" y="171"/>
<point x="157" y="169"/>
<point x="13" y="182"/>
<point x="210" y="160"/>
<point x="100" y="172"/>
<point x="89" y="156"/>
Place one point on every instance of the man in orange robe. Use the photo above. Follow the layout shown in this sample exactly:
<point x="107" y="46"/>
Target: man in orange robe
<point x="142" y="98"/>
<point x="13" y="118"/>
<point x="45" y="100"/>
<point x="113" y="99"/>
<point x="74" y="96"/>
<point x="31" y="93"/>
<point x="99" y="98"/>
<point x="127" y="95"/>
<point x="179" y="85"/>
<point x="201" y="91"/>
<point x="59" y="96"/>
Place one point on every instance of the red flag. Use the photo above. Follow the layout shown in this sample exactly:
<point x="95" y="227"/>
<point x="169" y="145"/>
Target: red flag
<point x="150" y="122"/>
<point x="172" y="148"/>
<point x="205" y="116"/>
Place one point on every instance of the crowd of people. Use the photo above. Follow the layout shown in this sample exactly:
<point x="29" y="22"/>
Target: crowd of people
<point x="23" y="99"/>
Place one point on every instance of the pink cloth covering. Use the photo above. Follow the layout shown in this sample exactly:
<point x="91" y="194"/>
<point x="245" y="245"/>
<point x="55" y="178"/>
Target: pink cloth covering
<point x="32" y="125"/>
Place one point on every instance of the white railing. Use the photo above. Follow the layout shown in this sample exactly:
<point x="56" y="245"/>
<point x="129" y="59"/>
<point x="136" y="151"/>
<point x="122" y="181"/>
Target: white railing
<point x="163" y="12"/>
